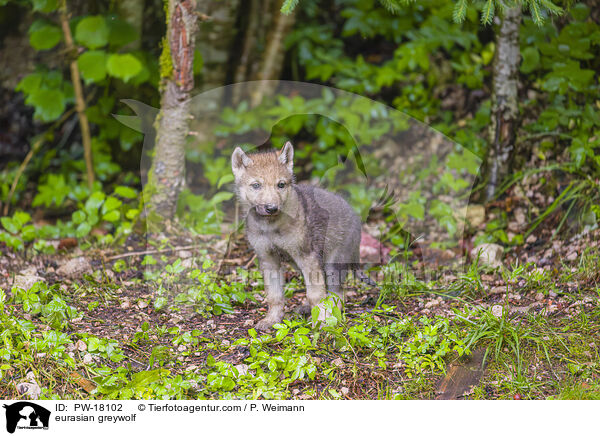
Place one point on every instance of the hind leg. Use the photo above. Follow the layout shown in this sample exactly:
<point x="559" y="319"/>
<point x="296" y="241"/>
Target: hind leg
<point x="334" y="276"/>
<point x="333" y="281"/>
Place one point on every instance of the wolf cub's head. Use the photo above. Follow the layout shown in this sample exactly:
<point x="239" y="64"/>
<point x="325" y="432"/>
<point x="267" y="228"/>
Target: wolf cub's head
<point x="264" y="180"/>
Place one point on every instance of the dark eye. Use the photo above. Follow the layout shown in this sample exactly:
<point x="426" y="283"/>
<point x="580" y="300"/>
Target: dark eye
<point x="255" y="185"/>
<point x="281" y="185"/>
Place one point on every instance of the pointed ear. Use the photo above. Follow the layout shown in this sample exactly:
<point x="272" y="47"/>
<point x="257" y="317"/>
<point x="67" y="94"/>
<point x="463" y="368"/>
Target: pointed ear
<point x="239" y="161"/>
<point x="286" y="155"/>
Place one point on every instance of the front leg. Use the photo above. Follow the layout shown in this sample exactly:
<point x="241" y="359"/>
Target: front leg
<point x="273" y="279"/>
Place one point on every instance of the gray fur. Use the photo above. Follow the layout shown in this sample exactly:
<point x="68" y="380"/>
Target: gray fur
<point x="316" y="230"/>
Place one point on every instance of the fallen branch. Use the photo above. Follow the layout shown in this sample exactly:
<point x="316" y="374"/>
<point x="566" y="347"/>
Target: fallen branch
<point x="250" y="261"/>
<point x="143" y="253"/>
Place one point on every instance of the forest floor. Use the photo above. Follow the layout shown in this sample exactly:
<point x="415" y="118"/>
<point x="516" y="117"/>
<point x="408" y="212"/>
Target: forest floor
<point x="105" y="324"/>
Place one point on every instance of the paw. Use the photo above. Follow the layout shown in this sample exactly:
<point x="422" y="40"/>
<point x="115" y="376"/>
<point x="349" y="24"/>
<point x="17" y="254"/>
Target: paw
<point x="267" y="322"/>
<point x="264" y="325"/>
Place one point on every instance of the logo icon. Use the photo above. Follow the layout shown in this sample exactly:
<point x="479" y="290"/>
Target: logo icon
<point x="26" y="415"/>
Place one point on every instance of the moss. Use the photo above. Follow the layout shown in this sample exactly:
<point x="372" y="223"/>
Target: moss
<point x="165" y="61"/>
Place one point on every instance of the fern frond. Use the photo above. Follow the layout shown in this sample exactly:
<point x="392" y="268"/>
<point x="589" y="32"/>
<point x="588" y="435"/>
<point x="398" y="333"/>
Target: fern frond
<point x="288" y="6"/>
<point x="487" y="14"/>
<point x="536" y="13"/>
<point x="460" y="11"/>
<point x="551" y="7"/>
<point x="392" y="6"/>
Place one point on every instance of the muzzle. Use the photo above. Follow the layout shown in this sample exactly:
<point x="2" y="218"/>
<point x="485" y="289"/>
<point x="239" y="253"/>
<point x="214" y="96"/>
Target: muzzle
<point x="267" y="209"/>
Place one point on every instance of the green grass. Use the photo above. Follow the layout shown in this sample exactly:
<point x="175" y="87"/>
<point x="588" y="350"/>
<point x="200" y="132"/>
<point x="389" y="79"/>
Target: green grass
<point x="376" y="353"/>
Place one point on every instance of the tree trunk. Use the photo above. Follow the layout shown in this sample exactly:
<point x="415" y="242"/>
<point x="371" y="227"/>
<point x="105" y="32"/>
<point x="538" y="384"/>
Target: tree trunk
<point x="505" y="111"/>
<point x="272" y="60"/>
<point x="167" y="176"/>
<point x="215" y="41"/>
<point x="248" y="47"/>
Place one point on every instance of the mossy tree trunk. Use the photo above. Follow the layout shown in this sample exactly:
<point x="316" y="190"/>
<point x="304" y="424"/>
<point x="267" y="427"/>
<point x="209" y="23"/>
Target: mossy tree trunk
<point x="505" y="110"/>
<point x="167" y="175"/>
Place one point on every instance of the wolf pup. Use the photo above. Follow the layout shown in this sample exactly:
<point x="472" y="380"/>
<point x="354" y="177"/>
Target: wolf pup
<point x="315" y="229"/>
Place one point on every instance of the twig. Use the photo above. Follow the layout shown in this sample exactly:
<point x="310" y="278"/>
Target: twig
<point x="227" y="252"/>
<point x="34" y="148"/>
<point x="250" y="261"/>
<point x="79" y="98"/>
<point x="203" y="17"/>
<point x="142" y="253"/>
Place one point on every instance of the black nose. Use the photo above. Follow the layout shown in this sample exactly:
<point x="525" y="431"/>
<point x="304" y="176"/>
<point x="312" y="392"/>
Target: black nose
<point x="271" y="208"/>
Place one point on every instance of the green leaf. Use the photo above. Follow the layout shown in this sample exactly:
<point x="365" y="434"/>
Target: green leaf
<point x="121" y="32"/>
<point x="580" y="12"/>
<point x="92" y="32"/>
<point x="49" y="104"/>
<point x="126" y="192"/>
<point x="78" y="217"/>
<point x="129" y="137"/>
<point x="123" y="66"/>
<point x="93" y="344"/>
<point x="83" y="229"/>
<point x="531" y="59"/>
<point x="28" y="233"/>
<point x="29" y="83"/>
<point x="95" y="201"/>
<point x="43" y="35"/>
<point x="45" y="5"/>
<point x="227" y="178"/>
<point x="92" y="65"/>
<point x="21" y="217"/>
<point x="578" y="152"/>
<point x="111" y="203"/>
<point x="198" y="62"/>
<point x="92" y="218"/>
<point x="131" y="214"/>
<point x="10" y="225"/>
<point x="112" y="216"/>
<point x="54" y="190"/>
<point x="220" y="197"/>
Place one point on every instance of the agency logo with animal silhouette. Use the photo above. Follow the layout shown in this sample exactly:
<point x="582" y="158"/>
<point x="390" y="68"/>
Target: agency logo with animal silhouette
<point x="25" y="415"/>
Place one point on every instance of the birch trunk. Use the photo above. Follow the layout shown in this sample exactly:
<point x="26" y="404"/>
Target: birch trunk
<point x="505" y="109"/>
